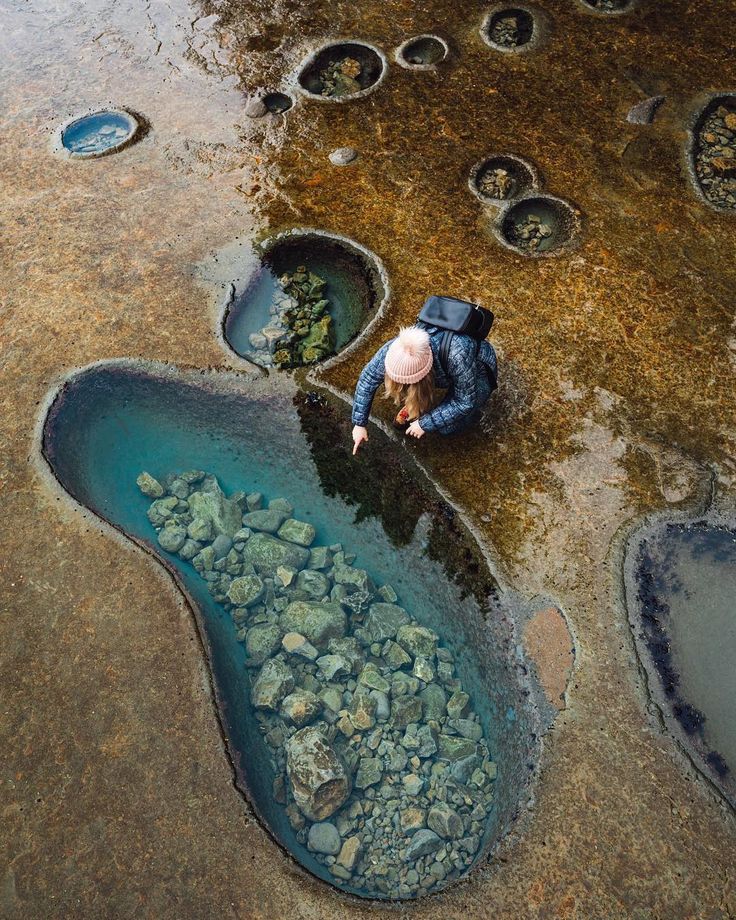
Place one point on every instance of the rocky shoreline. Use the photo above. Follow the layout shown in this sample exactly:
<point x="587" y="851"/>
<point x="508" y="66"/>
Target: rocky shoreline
<point x="378" y="757"/>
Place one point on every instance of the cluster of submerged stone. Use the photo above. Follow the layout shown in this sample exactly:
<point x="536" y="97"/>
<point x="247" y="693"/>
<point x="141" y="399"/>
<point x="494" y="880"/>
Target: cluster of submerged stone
<point x="497" y="182"/>
<point x="300" y="330"/>
<point x="505" y="32"/>
<point x="715" y="162"/>
<point x="340" y="78"/>
<point x="528" y="233"/>
<point x="379" y="760"/>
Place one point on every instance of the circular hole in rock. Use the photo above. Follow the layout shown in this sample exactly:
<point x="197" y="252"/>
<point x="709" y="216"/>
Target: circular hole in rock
<point x="309" y="295"/>
<point x="509" y="28"/>
<point x="608" y="6"/>
<point x="500" y="178"/>
<point x="422" y="51"/>
<point x="538" y="225"/>
<point x="100" y="133"/>
<point x="342" y="70"/>
<point x="713" y="152"/>
<point x="276" y="103"/>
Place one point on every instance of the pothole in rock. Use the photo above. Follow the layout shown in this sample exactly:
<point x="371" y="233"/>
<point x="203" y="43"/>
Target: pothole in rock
<point x="500" y="178"/>
<point x="422" y="52"/>
<point x="375" y="707"/>
<point x="608" y="6"/>
<point x="713" y="152"/>
<point x="100" y="133"/>
<point x="309" y="296"/>
<point x="680" y="589"/>
<point x="277" y="103"/>
<point x="539" y="225"/>
<point x="342" y="70"/>
<point x="509" y="28"/>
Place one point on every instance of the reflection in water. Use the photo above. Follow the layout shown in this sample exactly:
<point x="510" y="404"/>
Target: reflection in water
<point x="686" y="590"/>
<point x="111" y="422"/>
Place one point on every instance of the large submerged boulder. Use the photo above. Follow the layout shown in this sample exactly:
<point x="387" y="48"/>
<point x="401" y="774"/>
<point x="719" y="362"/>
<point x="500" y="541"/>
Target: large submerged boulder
<point x="319" y="622"/>
<point x="268" y="553"/>
<point x="223" y="514"/>
<point x="273" y="683"/>
<point x="319" y="779"/>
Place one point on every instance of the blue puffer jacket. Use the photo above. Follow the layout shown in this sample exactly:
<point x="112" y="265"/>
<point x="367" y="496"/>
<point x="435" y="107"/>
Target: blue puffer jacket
<point x="467" y="382"/>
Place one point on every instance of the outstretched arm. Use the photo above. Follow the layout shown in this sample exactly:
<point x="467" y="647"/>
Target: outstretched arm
<point x="371" y="377"/>
<point x="460" y="400"/>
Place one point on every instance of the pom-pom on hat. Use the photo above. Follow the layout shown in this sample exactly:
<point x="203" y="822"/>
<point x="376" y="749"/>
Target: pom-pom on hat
<point x="409" y="356"/>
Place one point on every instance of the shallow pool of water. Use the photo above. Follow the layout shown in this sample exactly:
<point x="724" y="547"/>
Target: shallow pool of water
<point x="111" y="422"/>
<point x="354" y="289"/>
<point x="686" y="600"/>
<point x="99" y="133"/>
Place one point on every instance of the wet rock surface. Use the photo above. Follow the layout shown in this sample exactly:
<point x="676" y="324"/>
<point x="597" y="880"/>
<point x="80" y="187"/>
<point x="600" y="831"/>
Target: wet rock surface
<point x="622" y="319"/>
<point x="377" y="755"/>
<point x="715" y="155"/>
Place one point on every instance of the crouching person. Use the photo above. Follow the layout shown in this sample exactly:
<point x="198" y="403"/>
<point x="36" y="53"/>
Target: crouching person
<point x="413" y="366"/>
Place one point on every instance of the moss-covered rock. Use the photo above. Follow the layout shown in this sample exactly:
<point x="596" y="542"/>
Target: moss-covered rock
<point x="267" y="553"/>
<point x="319" y="622"/>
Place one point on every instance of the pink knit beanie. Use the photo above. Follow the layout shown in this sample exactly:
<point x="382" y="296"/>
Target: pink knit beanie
<point x="409" y="356"/>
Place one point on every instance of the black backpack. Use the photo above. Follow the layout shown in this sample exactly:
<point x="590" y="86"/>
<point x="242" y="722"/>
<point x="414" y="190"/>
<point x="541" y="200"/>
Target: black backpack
<point x="452" y="315"/>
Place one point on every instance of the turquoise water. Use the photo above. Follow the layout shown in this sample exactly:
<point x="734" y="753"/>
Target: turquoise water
<point x="97" y="133"/>
<point x="112" y="422"/>
<point x="353" y="288"/>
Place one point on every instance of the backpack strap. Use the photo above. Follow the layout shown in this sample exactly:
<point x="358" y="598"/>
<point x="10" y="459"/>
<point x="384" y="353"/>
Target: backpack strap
<point x="444" y="351"/>
<point x="446" y="337"/>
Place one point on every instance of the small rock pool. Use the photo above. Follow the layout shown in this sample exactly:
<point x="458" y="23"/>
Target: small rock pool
<point x="373" y="699"/>
<point x="681" y="593"/>
<point x="100" y="133"/>
<point x="304" y="297"/>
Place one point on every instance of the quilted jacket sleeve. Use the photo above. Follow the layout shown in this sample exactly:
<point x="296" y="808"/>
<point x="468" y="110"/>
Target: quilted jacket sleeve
<point x="460" y="398"/>
<point x="371" y="377"/>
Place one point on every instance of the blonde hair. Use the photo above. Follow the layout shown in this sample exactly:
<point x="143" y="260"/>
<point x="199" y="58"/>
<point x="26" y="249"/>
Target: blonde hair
<point x="417" y="398"/>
